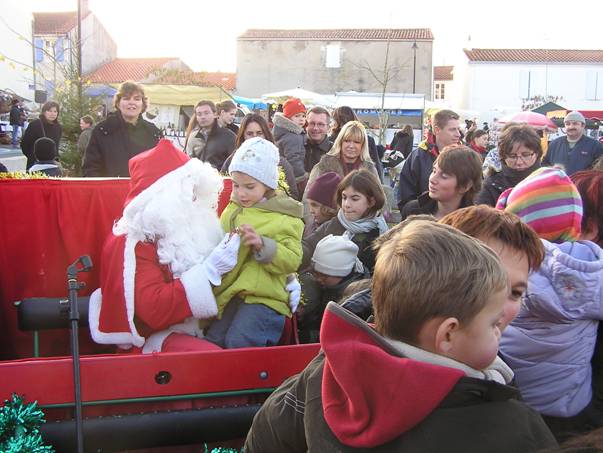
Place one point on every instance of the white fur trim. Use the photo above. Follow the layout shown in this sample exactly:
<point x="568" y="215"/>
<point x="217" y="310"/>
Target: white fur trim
<point x="199" y="293"/>
<point x="125" y="340"/>
<point x="155" y="342"/>
<point x="190" y="326"/>
<point x="129" y="273"/>
<point x="192" y="167"/>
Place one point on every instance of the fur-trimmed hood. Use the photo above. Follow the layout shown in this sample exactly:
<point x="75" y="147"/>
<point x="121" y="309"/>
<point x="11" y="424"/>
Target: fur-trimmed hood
<point x="282" y="125"/>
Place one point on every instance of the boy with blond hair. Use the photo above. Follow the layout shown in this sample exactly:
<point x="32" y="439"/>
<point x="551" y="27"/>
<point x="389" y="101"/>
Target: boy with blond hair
<point x="426" y="377"/>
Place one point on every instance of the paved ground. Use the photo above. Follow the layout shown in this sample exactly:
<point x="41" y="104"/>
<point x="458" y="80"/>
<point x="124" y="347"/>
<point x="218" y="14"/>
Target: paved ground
<point x="13" y="158"/>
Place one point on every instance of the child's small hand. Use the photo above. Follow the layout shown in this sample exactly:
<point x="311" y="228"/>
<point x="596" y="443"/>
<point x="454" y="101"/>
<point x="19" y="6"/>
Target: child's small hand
<point x="250" y="237"/>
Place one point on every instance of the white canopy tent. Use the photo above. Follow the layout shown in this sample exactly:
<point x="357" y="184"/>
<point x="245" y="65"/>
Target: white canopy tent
<point x="306" y="96"/>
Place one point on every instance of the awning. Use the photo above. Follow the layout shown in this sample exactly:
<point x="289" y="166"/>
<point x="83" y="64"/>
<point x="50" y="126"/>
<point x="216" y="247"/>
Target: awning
<point x="100" y="90"/>
<point x="306" y="96"/>
<point x="250" y="103"/>
<point x="182" y="94"/>
<point x="372" y="101"/>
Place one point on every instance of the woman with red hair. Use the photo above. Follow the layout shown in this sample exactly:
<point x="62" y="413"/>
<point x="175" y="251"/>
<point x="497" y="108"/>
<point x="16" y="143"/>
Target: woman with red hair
<point x="590" y="185"/>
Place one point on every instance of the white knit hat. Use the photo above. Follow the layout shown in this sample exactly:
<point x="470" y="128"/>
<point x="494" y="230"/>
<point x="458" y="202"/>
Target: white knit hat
<point x="259" y="159"/>
<point x="336" y="256"/>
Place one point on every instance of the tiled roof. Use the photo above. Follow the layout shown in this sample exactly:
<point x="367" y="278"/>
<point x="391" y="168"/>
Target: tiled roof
<point x="535" y="55"/>
<point x="122" y="69"/>
<point x="352" y="34"/>
<point x="54" y="23"/>
<point x="443" y="73"/>
<point x="226" y="80"/>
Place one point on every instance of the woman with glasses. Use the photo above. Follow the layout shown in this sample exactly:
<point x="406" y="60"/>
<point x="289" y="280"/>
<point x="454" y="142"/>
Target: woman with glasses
<point x="520" y="153"/>
<point x="254" y="125"/>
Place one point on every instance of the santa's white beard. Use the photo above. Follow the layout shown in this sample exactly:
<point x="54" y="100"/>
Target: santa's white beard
<point x="185" y="231"/>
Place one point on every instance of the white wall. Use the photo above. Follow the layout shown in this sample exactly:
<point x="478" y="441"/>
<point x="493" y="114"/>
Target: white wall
<point x="98" y="47"/>
<point x="502" y="86"/>
<point x="14" y="77"/>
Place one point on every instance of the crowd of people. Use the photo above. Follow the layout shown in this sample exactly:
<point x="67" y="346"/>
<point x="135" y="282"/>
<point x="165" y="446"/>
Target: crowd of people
<point x="471" y="325"/>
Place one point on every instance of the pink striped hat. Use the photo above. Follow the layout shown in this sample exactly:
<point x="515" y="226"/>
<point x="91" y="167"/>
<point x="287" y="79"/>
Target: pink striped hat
<point x="549" y="202"/>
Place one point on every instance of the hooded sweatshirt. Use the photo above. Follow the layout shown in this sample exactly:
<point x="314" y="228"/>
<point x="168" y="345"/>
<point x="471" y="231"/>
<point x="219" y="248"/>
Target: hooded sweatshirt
<point x="550" y="343"/>
<point x="364" y="391"/>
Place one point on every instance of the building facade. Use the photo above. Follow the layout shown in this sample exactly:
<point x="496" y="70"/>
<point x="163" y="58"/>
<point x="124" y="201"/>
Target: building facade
<point x="508" y="79"/>
<point x="328" y="61"/>
<point x="55" y="41"/>
<point x="443" y="80"/>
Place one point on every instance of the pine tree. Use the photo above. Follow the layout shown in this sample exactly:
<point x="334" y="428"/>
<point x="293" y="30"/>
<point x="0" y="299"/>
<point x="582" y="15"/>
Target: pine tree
<point x="72" y="109"/>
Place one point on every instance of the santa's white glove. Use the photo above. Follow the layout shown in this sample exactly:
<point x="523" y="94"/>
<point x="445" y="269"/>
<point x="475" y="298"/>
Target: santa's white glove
<point x="222" y="258"/>
<point x="294" y="289"/>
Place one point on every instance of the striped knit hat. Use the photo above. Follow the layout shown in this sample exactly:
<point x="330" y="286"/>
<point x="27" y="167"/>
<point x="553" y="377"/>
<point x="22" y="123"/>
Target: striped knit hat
<point x="549" y="202"/>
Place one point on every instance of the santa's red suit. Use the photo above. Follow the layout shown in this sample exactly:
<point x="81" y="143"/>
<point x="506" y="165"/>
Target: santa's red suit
<point x="152" y="293"/>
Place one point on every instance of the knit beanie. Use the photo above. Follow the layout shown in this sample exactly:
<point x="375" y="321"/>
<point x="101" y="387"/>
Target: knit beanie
<point x="336" y="256"/>
<point x="258" y="158"/>
<point x="292" y="107"/>
<point x="574" y="116"/>
<point x="323" y="189"/>
<point x="549" y="202"/>
<point x="45" y="149"/>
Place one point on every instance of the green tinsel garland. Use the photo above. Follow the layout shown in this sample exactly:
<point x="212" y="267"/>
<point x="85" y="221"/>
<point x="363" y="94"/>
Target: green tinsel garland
<point x="20" y="427"/>
<point x="221" y="450"/>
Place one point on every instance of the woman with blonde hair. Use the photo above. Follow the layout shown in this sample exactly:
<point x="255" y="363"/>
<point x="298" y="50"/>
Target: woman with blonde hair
<point x="349" y="152"/>
<point x="343" y="115"/>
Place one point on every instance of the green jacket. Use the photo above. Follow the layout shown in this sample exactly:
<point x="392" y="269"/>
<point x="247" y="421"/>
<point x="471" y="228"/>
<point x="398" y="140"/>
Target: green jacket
<point x="260" y="278"/>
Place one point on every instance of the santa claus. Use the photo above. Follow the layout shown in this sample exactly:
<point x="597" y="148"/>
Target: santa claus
<point x="163" y="257"/>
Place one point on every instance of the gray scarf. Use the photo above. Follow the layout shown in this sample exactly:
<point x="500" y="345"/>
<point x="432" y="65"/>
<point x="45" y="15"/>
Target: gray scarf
<point x="363" y="225"/>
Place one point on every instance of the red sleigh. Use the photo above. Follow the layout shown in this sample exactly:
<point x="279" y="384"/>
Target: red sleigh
<point x="128" y="401"/>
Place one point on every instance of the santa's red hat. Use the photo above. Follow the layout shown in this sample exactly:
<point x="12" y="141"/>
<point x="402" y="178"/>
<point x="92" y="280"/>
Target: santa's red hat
<point x="148" y="167"/>
<point x="111" y="312"/>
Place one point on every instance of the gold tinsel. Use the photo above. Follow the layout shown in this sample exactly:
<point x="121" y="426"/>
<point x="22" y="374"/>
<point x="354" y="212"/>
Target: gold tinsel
<point x="23" y="175"/>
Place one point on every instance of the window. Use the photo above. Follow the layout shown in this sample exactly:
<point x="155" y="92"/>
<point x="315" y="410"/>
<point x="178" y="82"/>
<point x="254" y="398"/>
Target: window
<point x="333" y="57"/>
<point x="440" y="90"/>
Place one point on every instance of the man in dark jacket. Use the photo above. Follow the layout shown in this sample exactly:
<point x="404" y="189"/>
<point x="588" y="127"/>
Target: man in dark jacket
<point x="575" y="151"/>
<point x="317" y="143"/>
<point x="123" y="135"/>
<point x="206" y="140"/>
<point x="414" y="177"/>
<point x="425" y="378"/>
<point x="16" y="119"/>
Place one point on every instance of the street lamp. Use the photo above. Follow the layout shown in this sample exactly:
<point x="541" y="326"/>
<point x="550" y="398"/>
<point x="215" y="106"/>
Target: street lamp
<point x="414" y="66"/>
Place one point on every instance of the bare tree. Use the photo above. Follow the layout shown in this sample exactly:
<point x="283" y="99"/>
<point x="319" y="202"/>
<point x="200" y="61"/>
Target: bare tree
<point x="383" y="78"/>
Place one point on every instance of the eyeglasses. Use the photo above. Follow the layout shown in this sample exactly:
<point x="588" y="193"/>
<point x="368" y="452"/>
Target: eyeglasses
<point x="522" y="156"/>
<point x="318" y="125"/>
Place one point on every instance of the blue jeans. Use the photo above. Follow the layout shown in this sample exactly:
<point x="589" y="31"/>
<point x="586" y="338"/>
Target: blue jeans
<point x="246" y="325"/>
<point x="16" y="128"/>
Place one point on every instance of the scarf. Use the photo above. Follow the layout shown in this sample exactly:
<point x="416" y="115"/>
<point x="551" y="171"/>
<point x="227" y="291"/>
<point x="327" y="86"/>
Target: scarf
<point x="481" y="150"/>
<point x="363" y="225"/>
<point x="516" y="176"/>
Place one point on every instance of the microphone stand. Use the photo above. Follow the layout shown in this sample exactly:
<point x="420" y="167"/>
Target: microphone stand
<point x="82" y="264"/>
